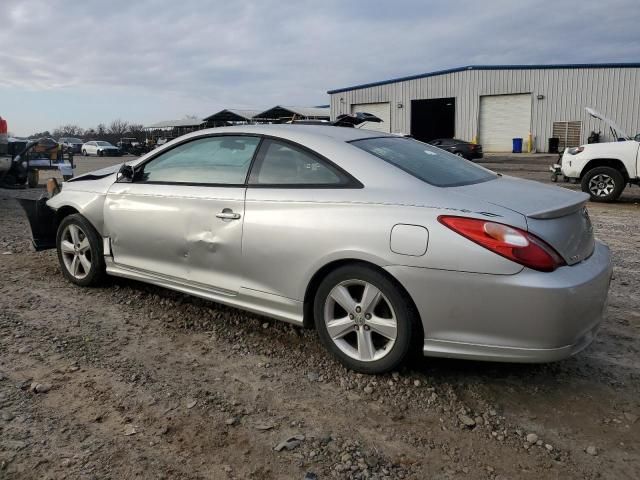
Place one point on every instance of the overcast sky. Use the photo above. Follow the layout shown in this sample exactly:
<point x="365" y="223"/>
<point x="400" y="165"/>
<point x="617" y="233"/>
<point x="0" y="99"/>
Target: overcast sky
<point x="85" y="62"/>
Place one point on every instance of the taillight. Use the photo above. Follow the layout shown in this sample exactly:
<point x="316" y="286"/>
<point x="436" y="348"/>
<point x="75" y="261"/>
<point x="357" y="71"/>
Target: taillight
<point x="510" y="242"/>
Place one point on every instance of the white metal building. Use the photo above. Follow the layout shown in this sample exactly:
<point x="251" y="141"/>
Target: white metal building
<point x="492" y="104"/>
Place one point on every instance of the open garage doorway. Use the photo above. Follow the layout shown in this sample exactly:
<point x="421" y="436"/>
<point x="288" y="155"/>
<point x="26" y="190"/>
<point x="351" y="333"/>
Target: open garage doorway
<point x="433" y="118"/>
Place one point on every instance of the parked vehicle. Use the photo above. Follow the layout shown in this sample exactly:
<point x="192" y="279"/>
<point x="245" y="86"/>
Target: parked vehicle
<point x="132" y="146"/>
<point x="27" y="158"/>
<point x="71" y="144"/>
<point x="100" y="148"/>
<point x="463" y="149"/>
<point x="383" y="243"/>
<point x="603" y="169"/>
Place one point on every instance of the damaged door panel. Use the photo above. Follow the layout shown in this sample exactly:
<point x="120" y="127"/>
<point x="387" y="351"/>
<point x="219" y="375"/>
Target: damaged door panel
<point x="182" y="234"/>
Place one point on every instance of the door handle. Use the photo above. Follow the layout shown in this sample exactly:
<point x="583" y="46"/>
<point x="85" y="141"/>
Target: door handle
<point x="228" y="214"/>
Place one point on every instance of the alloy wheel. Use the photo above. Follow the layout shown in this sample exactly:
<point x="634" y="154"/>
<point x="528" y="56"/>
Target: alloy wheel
<point x="601" y="185"/>
<point x="76" y="251"/>
<point x="360" y="320"/>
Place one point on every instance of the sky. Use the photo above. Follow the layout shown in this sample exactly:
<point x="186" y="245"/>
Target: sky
<point x="87" y="62"/>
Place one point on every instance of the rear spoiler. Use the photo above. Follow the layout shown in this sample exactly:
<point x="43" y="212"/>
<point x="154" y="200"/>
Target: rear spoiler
<point x="354" y="119"/>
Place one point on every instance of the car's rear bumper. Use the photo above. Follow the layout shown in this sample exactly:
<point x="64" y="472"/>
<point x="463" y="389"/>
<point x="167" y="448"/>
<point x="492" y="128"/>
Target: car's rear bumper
<point x="527" y="317"/>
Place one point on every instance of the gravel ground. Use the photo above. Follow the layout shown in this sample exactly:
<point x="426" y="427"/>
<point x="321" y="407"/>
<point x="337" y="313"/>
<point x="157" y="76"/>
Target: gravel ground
<point x="130" y="380"/>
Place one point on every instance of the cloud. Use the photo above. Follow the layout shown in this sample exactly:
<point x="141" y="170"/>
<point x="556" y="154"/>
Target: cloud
<point x="210" y="55"/>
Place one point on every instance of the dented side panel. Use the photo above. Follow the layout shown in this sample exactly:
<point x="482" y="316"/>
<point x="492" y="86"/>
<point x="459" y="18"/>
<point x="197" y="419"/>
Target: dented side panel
<point x="173" y="230"/>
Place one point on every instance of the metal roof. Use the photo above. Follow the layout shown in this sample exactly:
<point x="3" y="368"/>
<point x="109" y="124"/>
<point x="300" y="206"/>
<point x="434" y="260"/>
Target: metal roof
<point x="282" y="111"/>
<point x="185" y="122"/>
<point x="233" y="115"/>
<point x="487" y="67"/>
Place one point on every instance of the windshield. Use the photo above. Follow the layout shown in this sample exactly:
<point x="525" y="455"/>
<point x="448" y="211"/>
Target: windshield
<point x="73" y="140"/>
<point x="429" y="164"/>
<point x="103" y="144"/>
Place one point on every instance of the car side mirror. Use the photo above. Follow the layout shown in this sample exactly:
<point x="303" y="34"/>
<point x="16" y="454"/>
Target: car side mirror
<point x="125" y="174"/>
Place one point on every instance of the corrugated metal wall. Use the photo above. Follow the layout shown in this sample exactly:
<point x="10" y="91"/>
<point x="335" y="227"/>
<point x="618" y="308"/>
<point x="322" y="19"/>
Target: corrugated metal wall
<point x="614" y="92"/>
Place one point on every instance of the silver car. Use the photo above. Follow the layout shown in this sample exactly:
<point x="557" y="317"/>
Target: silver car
<point x="381" y="243"/>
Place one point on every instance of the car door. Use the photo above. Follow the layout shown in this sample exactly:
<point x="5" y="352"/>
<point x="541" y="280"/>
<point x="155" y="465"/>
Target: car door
<point x="93" y="148"/>
<point x="181" y="215"/>
<point x="291" y="192"/>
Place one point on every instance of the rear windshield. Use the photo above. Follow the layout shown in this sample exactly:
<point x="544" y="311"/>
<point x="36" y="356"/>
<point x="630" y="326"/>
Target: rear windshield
<point x="429" y="164"/>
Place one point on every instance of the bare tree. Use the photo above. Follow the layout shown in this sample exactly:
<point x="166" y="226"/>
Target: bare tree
<point x="68" y="130"/>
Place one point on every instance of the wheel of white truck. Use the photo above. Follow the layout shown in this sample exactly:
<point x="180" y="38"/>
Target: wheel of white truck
<point x="603" y="184"/>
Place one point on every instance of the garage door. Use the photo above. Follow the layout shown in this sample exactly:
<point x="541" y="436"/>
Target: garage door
<point x="380" y="110"/>
<point x="503" y="118"/>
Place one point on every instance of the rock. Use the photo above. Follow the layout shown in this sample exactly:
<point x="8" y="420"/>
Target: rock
<point x="192" y="404"/>
<point x="231" y="421"/>
<point x="479" y="420"/>
<point x="631" y="418"/>
<point x="25" y="349"/>
<point x="227" y="468"/>
<point x="548" y="447"/>
<point x="310" y="476"/>
<point x="467" y="421"/>
<point x="532" y="438"/>
<point x="129" y="430"/>
<point x="40" y="387"/>
<point x="395" y="375"/>
<point x="290" y="443"/>
<point x="591" y="450"/>
<point x="313" y="376"/>
<point x="264" y="426"/>
<point x="74" y="368"/>
<point x="417" y="383"/>
<point x="265" y="325"/>
<point x="368" y="390"/>
<point x="345" y="458"/>
<point x="7" y="417"/>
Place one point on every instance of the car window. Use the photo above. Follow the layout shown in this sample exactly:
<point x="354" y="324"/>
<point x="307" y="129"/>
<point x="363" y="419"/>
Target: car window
<point x="222" y="160"/>
<point x="284" y="164"/>
<point x="426" y="162"/>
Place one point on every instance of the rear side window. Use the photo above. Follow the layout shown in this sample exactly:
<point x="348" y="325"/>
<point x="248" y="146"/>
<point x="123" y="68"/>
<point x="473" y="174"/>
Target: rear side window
<point x="283" y="164"/>
<point x="426" y="162"/>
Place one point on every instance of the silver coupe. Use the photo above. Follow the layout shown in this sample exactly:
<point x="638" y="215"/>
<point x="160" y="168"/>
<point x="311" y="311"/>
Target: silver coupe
<point x="383" y="244"/>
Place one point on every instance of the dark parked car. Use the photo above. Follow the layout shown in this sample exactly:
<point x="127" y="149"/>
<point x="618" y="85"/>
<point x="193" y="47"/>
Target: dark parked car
<point x="461" y="148"/>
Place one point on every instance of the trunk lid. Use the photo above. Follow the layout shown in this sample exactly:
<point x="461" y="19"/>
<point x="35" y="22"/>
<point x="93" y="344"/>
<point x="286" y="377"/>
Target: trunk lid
<point x="556" y="215"/>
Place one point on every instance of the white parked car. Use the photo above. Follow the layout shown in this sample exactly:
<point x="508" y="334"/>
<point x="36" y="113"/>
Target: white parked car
<point x="603" y="169"/>
<point x="100" y="148"/>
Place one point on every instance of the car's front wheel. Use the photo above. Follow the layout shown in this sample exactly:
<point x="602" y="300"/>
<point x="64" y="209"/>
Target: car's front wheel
<point x="364" y="319"/>
<point x="84" y="153"/>
<point x="80" y="251"/>
<point x="604" y="184"/>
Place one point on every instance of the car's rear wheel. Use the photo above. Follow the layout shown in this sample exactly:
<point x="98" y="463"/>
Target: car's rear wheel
<point x="604" y="184"/>
<point x="364" y="319"/>
<point x="80" y="251"/>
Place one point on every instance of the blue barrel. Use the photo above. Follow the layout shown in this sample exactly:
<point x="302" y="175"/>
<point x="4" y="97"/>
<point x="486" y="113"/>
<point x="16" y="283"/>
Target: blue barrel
<point x="517" y="145"/>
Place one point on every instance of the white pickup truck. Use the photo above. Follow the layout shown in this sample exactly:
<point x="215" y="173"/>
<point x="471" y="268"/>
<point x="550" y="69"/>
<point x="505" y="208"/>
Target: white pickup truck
<point x="603" y="169"/>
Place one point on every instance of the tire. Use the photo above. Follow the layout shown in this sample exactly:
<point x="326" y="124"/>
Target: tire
<point x="100" y="153"/>
<point x="70" y="247"/>
<point x="84" y="153"/>
<point x="33" y="178"/>
<point x="459" y="154"/>
<point x="351" y="328"/>
<point x="603" y="184"/>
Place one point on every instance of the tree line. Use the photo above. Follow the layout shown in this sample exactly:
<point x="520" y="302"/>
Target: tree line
<point x="112" y="132"/>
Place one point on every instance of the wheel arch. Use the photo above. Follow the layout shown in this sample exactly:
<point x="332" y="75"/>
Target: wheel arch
<point x="322" y="272"/>
<point x="605" y="162"/>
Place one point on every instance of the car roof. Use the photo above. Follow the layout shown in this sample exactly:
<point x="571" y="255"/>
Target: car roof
<point x="293" y="131"/>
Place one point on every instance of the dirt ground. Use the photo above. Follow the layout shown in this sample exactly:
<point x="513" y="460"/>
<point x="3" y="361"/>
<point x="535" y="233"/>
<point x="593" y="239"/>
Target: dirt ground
<point x="134" y="381"/>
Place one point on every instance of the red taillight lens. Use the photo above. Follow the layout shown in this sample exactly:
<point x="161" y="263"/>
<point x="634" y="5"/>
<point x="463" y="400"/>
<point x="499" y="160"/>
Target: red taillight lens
<point x="510" y="242"/>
